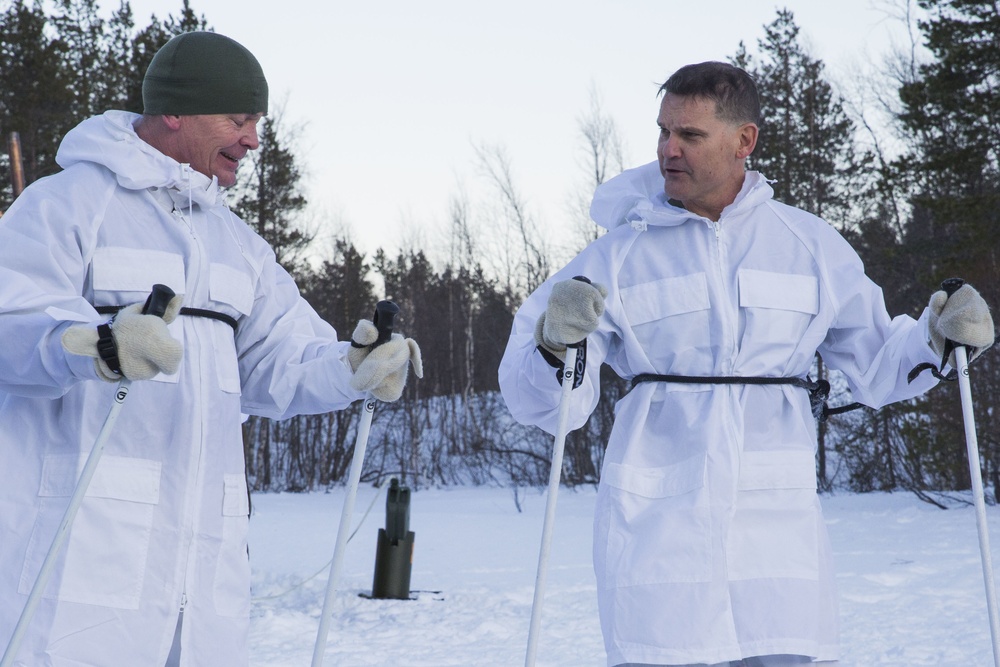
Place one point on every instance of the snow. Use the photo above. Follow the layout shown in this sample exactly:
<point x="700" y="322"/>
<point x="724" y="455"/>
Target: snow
<point x="909" y="575"/>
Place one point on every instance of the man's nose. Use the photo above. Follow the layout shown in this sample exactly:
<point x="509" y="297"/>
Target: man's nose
<point x="670" y="147"/>
<point x="251" y="140"/>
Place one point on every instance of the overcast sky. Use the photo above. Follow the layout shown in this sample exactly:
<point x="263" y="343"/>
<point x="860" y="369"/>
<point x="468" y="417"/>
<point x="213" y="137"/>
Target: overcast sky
<point x="393" y="94"/>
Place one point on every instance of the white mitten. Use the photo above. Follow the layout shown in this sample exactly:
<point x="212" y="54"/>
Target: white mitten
<point x="572" y="314"/>
<point x="145" y="347"/>
<point x="361" y="343"/>
<point x="382" y="370"/>
<point x="963" y="318"/>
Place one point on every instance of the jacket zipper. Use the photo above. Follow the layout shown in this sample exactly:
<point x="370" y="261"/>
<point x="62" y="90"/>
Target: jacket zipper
<point x="730" y="326"/>
<point x="193" y="503"/>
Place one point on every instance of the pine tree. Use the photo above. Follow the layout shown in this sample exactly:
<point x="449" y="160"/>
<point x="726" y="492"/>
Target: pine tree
<point x="806" y="139"/>
<point x="80" y="31"/>
<point x="270" y="198"/>
<point x="340" y="289"/>
<point x="118" y="73"/>
<point x="951" y="113"/>
<point x="57" y="69"/>
<point x="35" y="95"/>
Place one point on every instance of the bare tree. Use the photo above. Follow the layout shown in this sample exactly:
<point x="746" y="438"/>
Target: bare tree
<point x="602" y="156"/>
<point x="463" y="252"/>
<point x="523" y="256"/>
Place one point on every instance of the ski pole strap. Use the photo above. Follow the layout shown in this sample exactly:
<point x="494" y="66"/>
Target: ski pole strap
<point x="928" y="366"/>
<point x="191" y="312"/>
<point x="107" y="348"/>
<point x="819" y="391"/>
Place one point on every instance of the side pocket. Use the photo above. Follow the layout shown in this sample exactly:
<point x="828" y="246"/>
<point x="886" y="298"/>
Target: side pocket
<point x="231" y="592"/>
<point x="775" y="531"/>
<point x="104" y="559"/>
<point x="660" y="528"/>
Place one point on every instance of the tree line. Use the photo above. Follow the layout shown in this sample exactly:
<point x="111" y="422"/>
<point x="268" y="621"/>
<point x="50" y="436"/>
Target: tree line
<point x="905" y="166"/>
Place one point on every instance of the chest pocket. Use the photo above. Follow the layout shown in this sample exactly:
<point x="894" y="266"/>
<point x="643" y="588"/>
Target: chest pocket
<point x="123" y="276"/>
<point x="777" y="309"/>
<point x="670" y="319"/>
<point x="231" y="292"/>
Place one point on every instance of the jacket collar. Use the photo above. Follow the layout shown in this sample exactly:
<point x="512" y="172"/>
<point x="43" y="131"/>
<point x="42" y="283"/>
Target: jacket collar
<point x="635" y="197"/>
<point x="109" y="140"/>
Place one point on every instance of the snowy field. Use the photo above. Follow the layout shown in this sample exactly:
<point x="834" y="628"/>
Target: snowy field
<point x="909" y="575"/>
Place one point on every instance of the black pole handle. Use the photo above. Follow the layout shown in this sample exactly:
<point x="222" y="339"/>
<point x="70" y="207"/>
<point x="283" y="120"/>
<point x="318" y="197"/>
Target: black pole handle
<point x="158" y="300"/>
<point x="951" y="285"/>
<point x="385" y="314"/>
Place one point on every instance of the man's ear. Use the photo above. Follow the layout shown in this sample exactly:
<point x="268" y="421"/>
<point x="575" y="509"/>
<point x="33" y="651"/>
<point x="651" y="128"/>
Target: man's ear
<point x="172" y="122"/>
<point x="747" y="140"/>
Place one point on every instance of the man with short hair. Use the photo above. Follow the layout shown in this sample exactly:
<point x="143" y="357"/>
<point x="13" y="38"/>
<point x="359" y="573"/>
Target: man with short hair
<point x="709" y="541"/>
<point x="162" y="533"/>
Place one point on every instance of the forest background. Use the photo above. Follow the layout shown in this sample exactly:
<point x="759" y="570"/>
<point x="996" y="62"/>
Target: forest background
<point x="922" y="211"/>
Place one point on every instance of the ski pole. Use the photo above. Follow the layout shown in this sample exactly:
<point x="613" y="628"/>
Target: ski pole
<point x="555" y="473"/>
<point x="156" y="304"/>
<point x="385" y="312"/>
<point x="972" y="445"/>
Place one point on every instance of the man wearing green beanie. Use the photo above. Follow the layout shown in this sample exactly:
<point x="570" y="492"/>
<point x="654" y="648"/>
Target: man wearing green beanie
<point x="203" y="96"/>
<point x="155" y="570"/>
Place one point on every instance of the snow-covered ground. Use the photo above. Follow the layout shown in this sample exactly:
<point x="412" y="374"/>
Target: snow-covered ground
<point x="910" y="579"/>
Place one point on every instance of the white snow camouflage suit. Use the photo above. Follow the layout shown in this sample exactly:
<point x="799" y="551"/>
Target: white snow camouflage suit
<point x="165" y="520"/>
<point x="709" y="543"/>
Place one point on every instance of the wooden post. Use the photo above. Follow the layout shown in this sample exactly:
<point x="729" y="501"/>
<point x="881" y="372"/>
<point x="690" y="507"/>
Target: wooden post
<point x="16" y="163"/>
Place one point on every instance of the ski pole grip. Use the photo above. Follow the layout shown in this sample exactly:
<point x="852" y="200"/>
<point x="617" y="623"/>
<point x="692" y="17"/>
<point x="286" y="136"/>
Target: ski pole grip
<point x="385" y="314"/>
<point x="157" y="301"/>
<point x="951" y="285"/>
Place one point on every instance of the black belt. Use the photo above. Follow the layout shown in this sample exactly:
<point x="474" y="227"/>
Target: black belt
<point x="819" y="391"/>
<point x="192" y="312"/>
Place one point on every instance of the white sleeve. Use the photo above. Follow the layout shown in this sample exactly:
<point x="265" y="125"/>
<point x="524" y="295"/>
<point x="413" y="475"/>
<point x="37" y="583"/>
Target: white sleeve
<point x="875" y="352"/>
<point x="528" y="382"/>
<point x="45" y="244"/>
<point x="290" y="360"/>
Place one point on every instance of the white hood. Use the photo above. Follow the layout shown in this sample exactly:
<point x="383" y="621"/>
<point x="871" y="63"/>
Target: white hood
<point x="636" y="197"/>
<point x="110" y="140"/>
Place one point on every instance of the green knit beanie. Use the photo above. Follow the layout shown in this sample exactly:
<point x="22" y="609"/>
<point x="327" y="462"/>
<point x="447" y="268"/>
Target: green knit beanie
<point x="204" y="73"/>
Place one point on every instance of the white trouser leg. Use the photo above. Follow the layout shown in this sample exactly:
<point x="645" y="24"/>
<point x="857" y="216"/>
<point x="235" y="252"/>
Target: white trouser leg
<point x="174" y="658"/>
<point x="690" y="664"/>
<point x="784" y="661"/>
<point x="758" y="661"/>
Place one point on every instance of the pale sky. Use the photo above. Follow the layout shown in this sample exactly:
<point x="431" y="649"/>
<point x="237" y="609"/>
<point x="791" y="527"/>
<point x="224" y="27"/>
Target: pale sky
<point x="393" y="94"/>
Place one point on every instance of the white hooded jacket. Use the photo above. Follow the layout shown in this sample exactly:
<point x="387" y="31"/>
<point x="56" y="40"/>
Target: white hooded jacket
<point x="164" y="523"/>
<point x="709" y="543"/>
